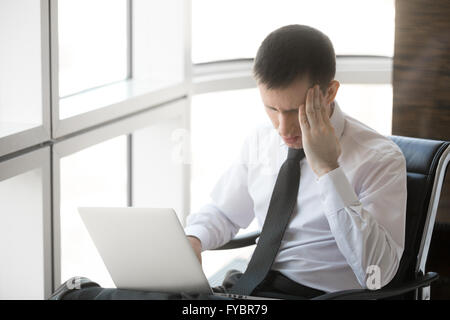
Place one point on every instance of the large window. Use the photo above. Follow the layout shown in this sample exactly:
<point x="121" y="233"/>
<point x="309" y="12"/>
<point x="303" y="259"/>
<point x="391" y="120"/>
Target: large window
<point x="223" y="30"/>
<point x="111" y="103"/>
<point x="111" y="52"/>
<point x="21" y="229"/>
<point x="368" y="103"/>
<point x="20" y="66"/>
<point x="127" y="162"/>
<point x="25" y="268"/>
<point x="93" y="44"/>
<point x="24" y="75"/>
<point x="95" y="176"/>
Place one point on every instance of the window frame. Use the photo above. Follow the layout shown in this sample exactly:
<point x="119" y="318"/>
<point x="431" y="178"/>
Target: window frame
<point x="131" y="103"/>
<point x="237" y="73"/>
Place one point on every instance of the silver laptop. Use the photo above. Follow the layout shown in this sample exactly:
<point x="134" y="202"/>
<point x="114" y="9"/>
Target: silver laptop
<point x="147" y="249"/>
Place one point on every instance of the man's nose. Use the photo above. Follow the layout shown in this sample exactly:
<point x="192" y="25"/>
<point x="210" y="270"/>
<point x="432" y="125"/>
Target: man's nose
<point x="287" y="123"/>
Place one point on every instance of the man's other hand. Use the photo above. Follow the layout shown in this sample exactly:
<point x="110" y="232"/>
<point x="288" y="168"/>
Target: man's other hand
<point x="197" y="246"/>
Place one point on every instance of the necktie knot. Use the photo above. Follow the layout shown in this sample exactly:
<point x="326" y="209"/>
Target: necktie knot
<point x="296" y="154"/>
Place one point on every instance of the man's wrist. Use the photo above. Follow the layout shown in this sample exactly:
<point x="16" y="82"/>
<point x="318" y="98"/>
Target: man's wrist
<point x="337" y="191"/>
<point x="325" y="170"/>
<point x="200" y="232"/>
<point x="195" y="240"/>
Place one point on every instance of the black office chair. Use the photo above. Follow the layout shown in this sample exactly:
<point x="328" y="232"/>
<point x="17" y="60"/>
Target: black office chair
<point x="426" y="164"/>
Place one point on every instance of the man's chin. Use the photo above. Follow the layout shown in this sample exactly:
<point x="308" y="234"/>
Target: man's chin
<point x="295" y="145"/>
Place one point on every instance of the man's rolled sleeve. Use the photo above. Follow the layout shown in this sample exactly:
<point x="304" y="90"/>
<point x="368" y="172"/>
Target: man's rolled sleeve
<point x="201" y="233"/>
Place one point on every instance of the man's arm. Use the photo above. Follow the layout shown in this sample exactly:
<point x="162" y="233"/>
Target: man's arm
<point x="369" y="227"/>
<point x="197" y="246"/>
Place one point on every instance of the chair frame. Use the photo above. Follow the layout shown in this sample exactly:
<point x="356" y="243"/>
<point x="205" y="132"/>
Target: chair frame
<point x="431" y="217"/>
<point x="421" y="284"/>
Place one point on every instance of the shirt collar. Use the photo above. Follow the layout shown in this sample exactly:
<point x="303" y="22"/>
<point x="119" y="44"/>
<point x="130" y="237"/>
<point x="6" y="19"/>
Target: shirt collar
<point x="337" y="121"/>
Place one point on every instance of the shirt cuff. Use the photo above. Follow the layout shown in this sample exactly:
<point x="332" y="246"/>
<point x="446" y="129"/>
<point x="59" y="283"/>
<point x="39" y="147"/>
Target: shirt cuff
<point x="200" y="232"/>
<point x="336" y="191"/>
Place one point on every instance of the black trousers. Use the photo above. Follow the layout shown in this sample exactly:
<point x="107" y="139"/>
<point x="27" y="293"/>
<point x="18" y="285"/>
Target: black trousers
<point x="275" y="285"/>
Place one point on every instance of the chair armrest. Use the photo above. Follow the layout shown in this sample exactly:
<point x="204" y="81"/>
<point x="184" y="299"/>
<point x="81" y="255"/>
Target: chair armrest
<point x="240" y="241"/>
<point x="366" y="294"/>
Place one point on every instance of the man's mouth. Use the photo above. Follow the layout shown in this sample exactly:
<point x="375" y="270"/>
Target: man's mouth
<point x="291" y="139"/>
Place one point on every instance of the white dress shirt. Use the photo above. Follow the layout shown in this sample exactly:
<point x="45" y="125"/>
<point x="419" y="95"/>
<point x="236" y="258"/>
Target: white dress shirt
<point x="345" y="221"/>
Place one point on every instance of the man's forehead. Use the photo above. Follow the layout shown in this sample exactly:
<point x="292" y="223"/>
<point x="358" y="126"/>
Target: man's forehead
<point x="298" y="83"/>
<point x="288" y="98"/>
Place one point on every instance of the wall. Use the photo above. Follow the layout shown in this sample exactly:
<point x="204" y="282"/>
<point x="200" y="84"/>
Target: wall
<point x="421" y="102"/>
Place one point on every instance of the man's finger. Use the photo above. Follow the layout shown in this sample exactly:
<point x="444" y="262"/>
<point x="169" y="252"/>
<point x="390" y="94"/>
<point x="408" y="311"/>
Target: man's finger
<point x="302" y="118"/>
<point x="323" y="109"/>
<point x="311" y="113"/>
<point x="318" y="104"/>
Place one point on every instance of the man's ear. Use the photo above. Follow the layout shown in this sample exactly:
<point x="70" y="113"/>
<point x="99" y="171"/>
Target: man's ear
<point x="332" y="90"/>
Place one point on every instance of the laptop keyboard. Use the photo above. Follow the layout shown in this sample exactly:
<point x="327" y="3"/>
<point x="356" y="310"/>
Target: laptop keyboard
<point x="217" y="278"/>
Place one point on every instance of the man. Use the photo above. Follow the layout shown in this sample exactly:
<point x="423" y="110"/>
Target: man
<point x="331" y="201"/>
<point x="349" y="218"/>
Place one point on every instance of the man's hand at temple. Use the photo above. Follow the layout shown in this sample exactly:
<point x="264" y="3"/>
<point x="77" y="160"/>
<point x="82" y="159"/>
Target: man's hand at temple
<point x="321" y="146"/>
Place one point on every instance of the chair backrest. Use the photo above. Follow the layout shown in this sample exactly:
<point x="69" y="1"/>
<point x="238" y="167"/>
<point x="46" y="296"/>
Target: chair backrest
<point x="426" y="163"/>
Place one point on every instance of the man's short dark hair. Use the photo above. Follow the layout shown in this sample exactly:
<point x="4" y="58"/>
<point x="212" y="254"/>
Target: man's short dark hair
<point x="292" y="52"/>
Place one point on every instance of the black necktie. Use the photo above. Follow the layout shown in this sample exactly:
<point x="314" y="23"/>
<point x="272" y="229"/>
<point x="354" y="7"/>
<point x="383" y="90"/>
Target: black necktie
<point x="281" y="206"/>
